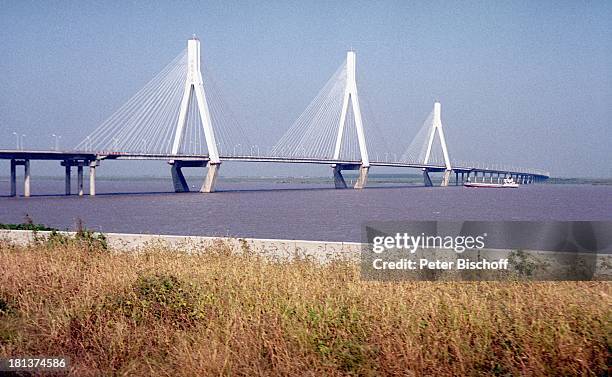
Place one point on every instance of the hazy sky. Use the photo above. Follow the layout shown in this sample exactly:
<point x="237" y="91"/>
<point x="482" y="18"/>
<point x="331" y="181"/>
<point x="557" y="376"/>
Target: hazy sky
<point x="527" y="83"/>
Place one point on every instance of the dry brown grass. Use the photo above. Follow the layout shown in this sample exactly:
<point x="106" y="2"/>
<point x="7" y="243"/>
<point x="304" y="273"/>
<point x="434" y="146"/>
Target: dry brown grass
<point x="168" y="313"/>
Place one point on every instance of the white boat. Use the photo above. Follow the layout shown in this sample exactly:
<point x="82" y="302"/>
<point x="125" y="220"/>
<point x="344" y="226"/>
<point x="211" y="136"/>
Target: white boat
<point x="507" y="183"/>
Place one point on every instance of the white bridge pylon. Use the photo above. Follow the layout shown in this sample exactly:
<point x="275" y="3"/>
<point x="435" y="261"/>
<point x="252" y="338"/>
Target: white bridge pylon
<point x="351" y="95"/>
<point x="194" y="85"/>
<point x="436" y="128"/>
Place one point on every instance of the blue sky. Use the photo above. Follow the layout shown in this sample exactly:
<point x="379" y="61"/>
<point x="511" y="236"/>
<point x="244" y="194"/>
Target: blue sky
<point x="526" y="83"/>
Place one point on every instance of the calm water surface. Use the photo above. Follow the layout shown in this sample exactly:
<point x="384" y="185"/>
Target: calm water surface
<point x="292" y="211"/>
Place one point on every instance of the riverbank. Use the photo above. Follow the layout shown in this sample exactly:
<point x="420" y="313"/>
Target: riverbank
<point x="270" y="249"/>
<point x="163" y="312"/>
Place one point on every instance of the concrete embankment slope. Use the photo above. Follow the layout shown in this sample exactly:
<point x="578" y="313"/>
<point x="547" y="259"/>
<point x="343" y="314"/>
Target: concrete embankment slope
<point x="274" y="249"/>
<point x="540" y="265"/>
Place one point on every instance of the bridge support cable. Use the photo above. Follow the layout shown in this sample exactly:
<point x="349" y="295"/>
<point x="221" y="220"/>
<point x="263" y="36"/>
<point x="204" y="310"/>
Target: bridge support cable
<point x="144" y="122"/>
<point x="313" y="133"/>
<point x="178" y="113"/>
<point x="331" y="127"/>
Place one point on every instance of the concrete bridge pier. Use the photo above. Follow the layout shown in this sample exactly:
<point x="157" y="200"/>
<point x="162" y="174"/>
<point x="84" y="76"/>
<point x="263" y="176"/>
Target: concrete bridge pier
<point x="80" y="179"/>
<point x="92" y="177"/>
<point x="339" y="181"/>
<point x="427" y="178"/>
<point x="446" y="178"/>
<point x="80" y="164"/>
<point x="67" y="168"/>
<point x="211" y="177"/>
<point x="13" y="178"/>
<point x="179" y="181"/>
<point x="26" y="176"/>
<point x="363" y="177"/>
<point x="460" y="177"/>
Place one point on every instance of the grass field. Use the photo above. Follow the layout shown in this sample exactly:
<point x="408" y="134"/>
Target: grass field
<point x="167" y="313"/>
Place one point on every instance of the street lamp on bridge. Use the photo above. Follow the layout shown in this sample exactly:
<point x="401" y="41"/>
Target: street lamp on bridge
<point x="254" y="146"/>
<point x="57" y="137"/>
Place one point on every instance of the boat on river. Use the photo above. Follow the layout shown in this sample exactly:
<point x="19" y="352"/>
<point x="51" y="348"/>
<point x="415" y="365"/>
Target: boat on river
<point x="507" y="183"/>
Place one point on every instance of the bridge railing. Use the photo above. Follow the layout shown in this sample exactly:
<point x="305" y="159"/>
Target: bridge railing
<point x="499" y="167"/>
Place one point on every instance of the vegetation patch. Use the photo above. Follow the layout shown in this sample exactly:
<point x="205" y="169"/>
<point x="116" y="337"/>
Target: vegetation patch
<point x="83" y="239"/>
<point x="26" y="226"/>
<point x="162" y="297"/>
<point x="160" y="312"/>
<point x="339" y="337"/>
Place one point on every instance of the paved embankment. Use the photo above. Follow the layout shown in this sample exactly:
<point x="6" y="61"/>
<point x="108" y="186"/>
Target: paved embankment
<point x="275" y="249"/>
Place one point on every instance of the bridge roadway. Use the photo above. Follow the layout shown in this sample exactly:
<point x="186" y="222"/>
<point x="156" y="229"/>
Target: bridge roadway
<point x="92" y="160"/>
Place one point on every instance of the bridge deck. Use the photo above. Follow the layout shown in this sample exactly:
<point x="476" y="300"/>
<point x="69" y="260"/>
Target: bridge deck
<point x="92" y="156"/>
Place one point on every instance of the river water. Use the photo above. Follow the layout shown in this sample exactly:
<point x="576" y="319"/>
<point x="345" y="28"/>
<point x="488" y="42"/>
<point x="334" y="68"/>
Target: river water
<point x="297" y="210"/>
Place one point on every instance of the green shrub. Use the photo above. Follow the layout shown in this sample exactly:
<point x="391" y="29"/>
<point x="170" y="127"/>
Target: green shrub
<point x="163" y="297"/>
<point x="525" y="264"/>
<point x="83" y="239"/>
<point x="26" y="226"/>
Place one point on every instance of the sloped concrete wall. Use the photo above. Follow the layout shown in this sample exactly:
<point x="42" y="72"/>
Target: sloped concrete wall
<point x="273" y="249"/>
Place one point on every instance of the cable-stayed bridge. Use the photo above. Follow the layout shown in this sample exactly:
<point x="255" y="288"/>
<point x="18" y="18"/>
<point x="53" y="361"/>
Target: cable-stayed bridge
<point x="180" y="117"/>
